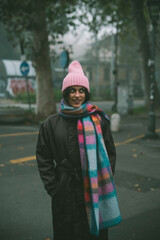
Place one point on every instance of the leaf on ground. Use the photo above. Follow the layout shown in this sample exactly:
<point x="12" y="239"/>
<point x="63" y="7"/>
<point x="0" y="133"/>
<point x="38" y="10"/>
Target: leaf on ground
<point x="139" y="190"/>
<point x="0" y="174"/>
<point x="136" y="185"/>
<point x="152" y="189"/>
<point x="2" y="165"/>
<point x="135" y="155"/>
<point x="47" y="239"/>
<point x="20" y="148"/>
<point x="0" y="145"/>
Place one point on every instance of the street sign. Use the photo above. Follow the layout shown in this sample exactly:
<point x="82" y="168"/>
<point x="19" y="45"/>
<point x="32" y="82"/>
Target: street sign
<point x="24" y="68"/>
<point x="64" y="59"/>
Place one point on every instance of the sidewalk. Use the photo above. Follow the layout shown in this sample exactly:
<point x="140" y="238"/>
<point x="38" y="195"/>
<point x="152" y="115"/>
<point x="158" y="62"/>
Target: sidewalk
<point x="137" y="180"/>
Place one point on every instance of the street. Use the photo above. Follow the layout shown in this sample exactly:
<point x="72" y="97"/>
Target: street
<point x="25" y="207"/>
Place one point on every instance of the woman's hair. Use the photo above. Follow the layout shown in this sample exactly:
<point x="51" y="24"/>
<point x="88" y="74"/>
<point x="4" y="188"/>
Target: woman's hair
<point x="66" y="93"/>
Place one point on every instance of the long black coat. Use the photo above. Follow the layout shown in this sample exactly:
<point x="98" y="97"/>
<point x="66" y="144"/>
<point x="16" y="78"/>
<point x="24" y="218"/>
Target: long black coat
<point x="59" y="165"/>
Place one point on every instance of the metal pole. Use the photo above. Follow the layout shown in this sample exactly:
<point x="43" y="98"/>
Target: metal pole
<point x="97" y="66"/>
<point x="112" y="66"/>
<point x="115" y="73"/>
<point x="29" y="102"/>
<point x="151" y="116"/>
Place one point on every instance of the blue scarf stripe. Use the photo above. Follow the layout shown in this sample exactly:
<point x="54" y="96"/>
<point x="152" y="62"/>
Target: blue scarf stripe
<point x="106" y="196"/>
<point x="94" y="227"/>
<point x="110" y="205"/>
<point x="105" y="163"/>
<point x="112" y="222"/>
<point x="93" y="173"/>
<point x="92" y="165"/>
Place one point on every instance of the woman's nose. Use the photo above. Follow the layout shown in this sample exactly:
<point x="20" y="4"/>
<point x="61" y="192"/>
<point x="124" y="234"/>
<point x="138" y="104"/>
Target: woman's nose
<point x="77" y="94"/>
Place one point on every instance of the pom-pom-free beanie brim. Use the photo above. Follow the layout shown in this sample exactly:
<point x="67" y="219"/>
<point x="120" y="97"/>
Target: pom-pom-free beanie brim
<point x="75" y="77"/>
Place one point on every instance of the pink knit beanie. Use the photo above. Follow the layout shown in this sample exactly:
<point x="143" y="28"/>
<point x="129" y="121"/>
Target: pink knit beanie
<point x="75" y="77"/>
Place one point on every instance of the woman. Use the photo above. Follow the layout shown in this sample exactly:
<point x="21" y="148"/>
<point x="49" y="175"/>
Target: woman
<point x="76" y="160"/>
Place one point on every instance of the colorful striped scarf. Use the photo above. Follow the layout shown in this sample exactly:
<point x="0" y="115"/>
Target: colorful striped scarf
<point x="99" y="190"/>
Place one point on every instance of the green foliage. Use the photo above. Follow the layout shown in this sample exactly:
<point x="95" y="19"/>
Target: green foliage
<point x="23" y="97"/>
<point x="104" y="94"/>
<point x="140" y="110"/>
<point x="102" y="13"/>
<point x="18" y="19"/>
<point x="144" y="111"/>
<point x="57" y="94"/>
<point x="7" y="50"/>
<point x="93" y="93"/>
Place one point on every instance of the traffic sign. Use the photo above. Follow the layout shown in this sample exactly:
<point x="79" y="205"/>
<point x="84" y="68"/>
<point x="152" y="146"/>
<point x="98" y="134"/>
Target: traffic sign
<point x="24" y="68"/>
<point x="64" y="58"/>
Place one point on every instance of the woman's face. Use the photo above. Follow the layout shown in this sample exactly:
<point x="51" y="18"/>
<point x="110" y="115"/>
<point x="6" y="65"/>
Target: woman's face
<point x="76" y="96"/>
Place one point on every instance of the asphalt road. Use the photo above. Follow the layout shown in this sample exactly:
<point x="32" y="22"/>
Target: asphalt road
<point x="25" y="207"/>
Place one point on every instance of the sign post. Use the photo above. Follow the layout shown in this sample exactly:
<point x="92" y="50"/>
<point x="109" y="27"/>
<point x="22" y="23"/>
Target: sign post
<point x="24" y="68"/>
<point x="64" y="59"/>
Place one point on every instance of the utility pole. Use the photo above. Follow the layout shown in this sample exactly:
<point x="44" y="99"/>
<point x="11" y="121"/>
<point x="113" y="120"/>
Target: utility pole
<point x="154" y="8"/>
<point x="97" y="65"/>
<point x="115" y="72"/>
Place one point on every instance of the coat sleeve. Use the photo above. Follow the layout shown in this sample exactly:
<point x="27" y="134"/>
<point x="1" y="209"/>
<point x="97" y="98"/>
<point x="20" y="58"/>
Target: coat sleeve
<point x="45" y="161"/>
<point x="109" y="143"/>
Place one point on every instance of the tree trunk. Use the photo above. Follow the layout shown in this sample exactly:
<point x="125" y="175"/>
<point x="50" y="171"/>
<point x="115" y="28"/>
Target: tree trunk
<point x="144" y="46"/>
<point x="41" y="59"/>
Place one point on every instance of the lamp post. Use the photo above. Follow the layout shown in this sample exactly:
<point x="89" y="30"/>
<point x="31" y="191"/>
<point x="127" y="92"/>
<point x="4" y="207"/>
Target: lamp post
<point x="153" y="7"/>
<point x="115" y="73"/>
